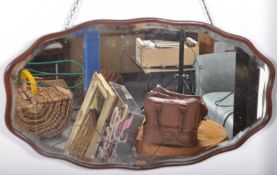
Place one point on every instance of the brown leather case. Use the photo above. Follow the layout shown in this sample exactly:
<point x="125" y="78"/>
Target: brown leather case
<point x="172" y="119"/>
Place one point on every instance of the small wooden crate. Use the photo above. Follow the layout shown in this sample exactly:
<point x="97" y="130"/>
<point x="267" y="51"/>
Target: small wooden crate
<point x="151" y="54"/>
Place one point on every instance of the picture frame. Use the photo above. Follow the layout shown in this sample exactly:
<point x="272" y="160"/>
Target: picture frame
<point x="99" y="97"/>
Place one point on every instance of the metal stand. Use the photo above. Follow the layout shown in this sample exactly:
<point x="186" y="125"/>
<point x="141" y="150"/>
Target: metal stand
<point x="181" y="62"/>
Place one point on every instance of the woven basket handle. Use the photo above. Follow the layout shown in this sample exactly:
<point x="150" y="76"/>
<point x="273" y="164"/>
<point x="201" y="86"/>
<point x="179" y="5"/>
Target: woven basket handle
<point x="24" y="75"/>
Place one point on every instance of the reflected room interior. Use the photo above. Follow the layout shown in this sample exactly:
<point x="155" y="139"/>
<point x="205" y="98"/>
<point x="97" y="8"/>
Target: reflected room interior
<point x="84" y="95"/>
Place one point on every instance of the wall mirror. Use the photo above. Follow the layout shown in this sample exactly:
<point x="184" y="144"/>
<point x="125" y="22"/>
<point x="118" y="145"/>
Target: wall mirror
<point x="86" y="94"/>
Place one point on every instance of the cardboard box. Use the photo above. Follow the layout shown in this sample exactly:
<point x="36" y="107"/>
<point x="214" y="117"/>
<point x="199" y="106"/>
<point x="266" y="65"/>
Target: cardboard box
<point x="164" y="53"/>
<point x="121" y="129"/>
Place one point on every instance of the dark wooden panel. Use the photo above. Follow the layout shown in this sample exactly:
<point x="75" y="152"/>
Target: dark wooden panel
<point x="246" y="91"/>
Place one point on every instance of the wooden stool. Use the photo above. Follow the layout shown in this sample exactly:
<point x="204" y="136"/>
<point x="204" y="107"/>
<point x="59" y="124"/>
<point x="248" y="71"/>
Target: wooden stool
<point x="209" y="134"/>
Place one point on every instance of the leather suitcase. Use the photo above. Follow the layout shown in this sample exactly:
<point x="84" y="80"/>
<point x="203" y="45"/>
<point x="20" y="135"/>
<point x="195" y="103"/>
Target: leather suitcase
<point x="172" y="119"/>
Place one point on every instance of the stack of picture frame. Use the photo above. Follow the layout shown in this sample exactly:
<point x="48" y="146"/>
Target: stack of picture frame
<point x="107" y="123"/>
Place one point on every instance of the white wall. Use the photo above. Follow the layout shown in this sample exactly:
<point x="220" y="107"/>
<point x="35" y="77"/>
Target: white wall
<point x="22" y="22"/>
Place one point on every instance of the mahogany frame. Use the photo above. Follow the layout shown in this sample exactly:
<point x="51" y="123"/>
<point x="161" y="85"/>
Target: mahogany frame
<point x="136" y="21"/>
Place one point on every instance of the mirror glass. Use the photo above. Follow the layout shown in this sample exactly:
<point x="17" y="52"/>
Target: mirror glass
<point x="87" y="95"/>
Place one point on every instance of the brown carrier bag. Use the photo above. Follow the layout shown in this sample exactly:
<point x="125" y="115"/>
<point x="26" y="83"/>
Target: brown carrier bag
<point x="42" y="111"/>
<point x="172" y="119"/>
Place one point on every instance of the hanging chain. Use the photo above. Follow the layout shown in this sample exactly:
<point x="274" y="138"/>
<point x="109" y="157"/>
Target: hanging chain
<point x="207" y="12"/>
<point x="76" y="4"/>
<point x="72" y="14"/>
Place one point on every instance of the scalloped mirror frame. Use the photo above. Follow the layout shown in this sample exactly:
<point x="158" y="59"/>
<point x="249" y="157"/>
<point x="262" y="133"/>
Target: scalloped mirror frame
<point x="255" y="129"/>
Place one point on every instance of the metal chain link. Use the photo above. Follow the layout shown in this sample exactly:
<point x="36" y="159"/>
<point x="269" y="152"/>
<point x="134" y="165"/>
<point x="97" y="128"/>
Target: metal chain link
<point x="76" y="5"/>
<point x="72" y="13"/>
<point x="207" y="12"/>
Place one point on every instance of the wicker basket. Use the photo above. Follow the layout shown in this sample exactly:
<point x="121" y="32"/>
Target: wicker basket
<point x="45" y="113"/>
